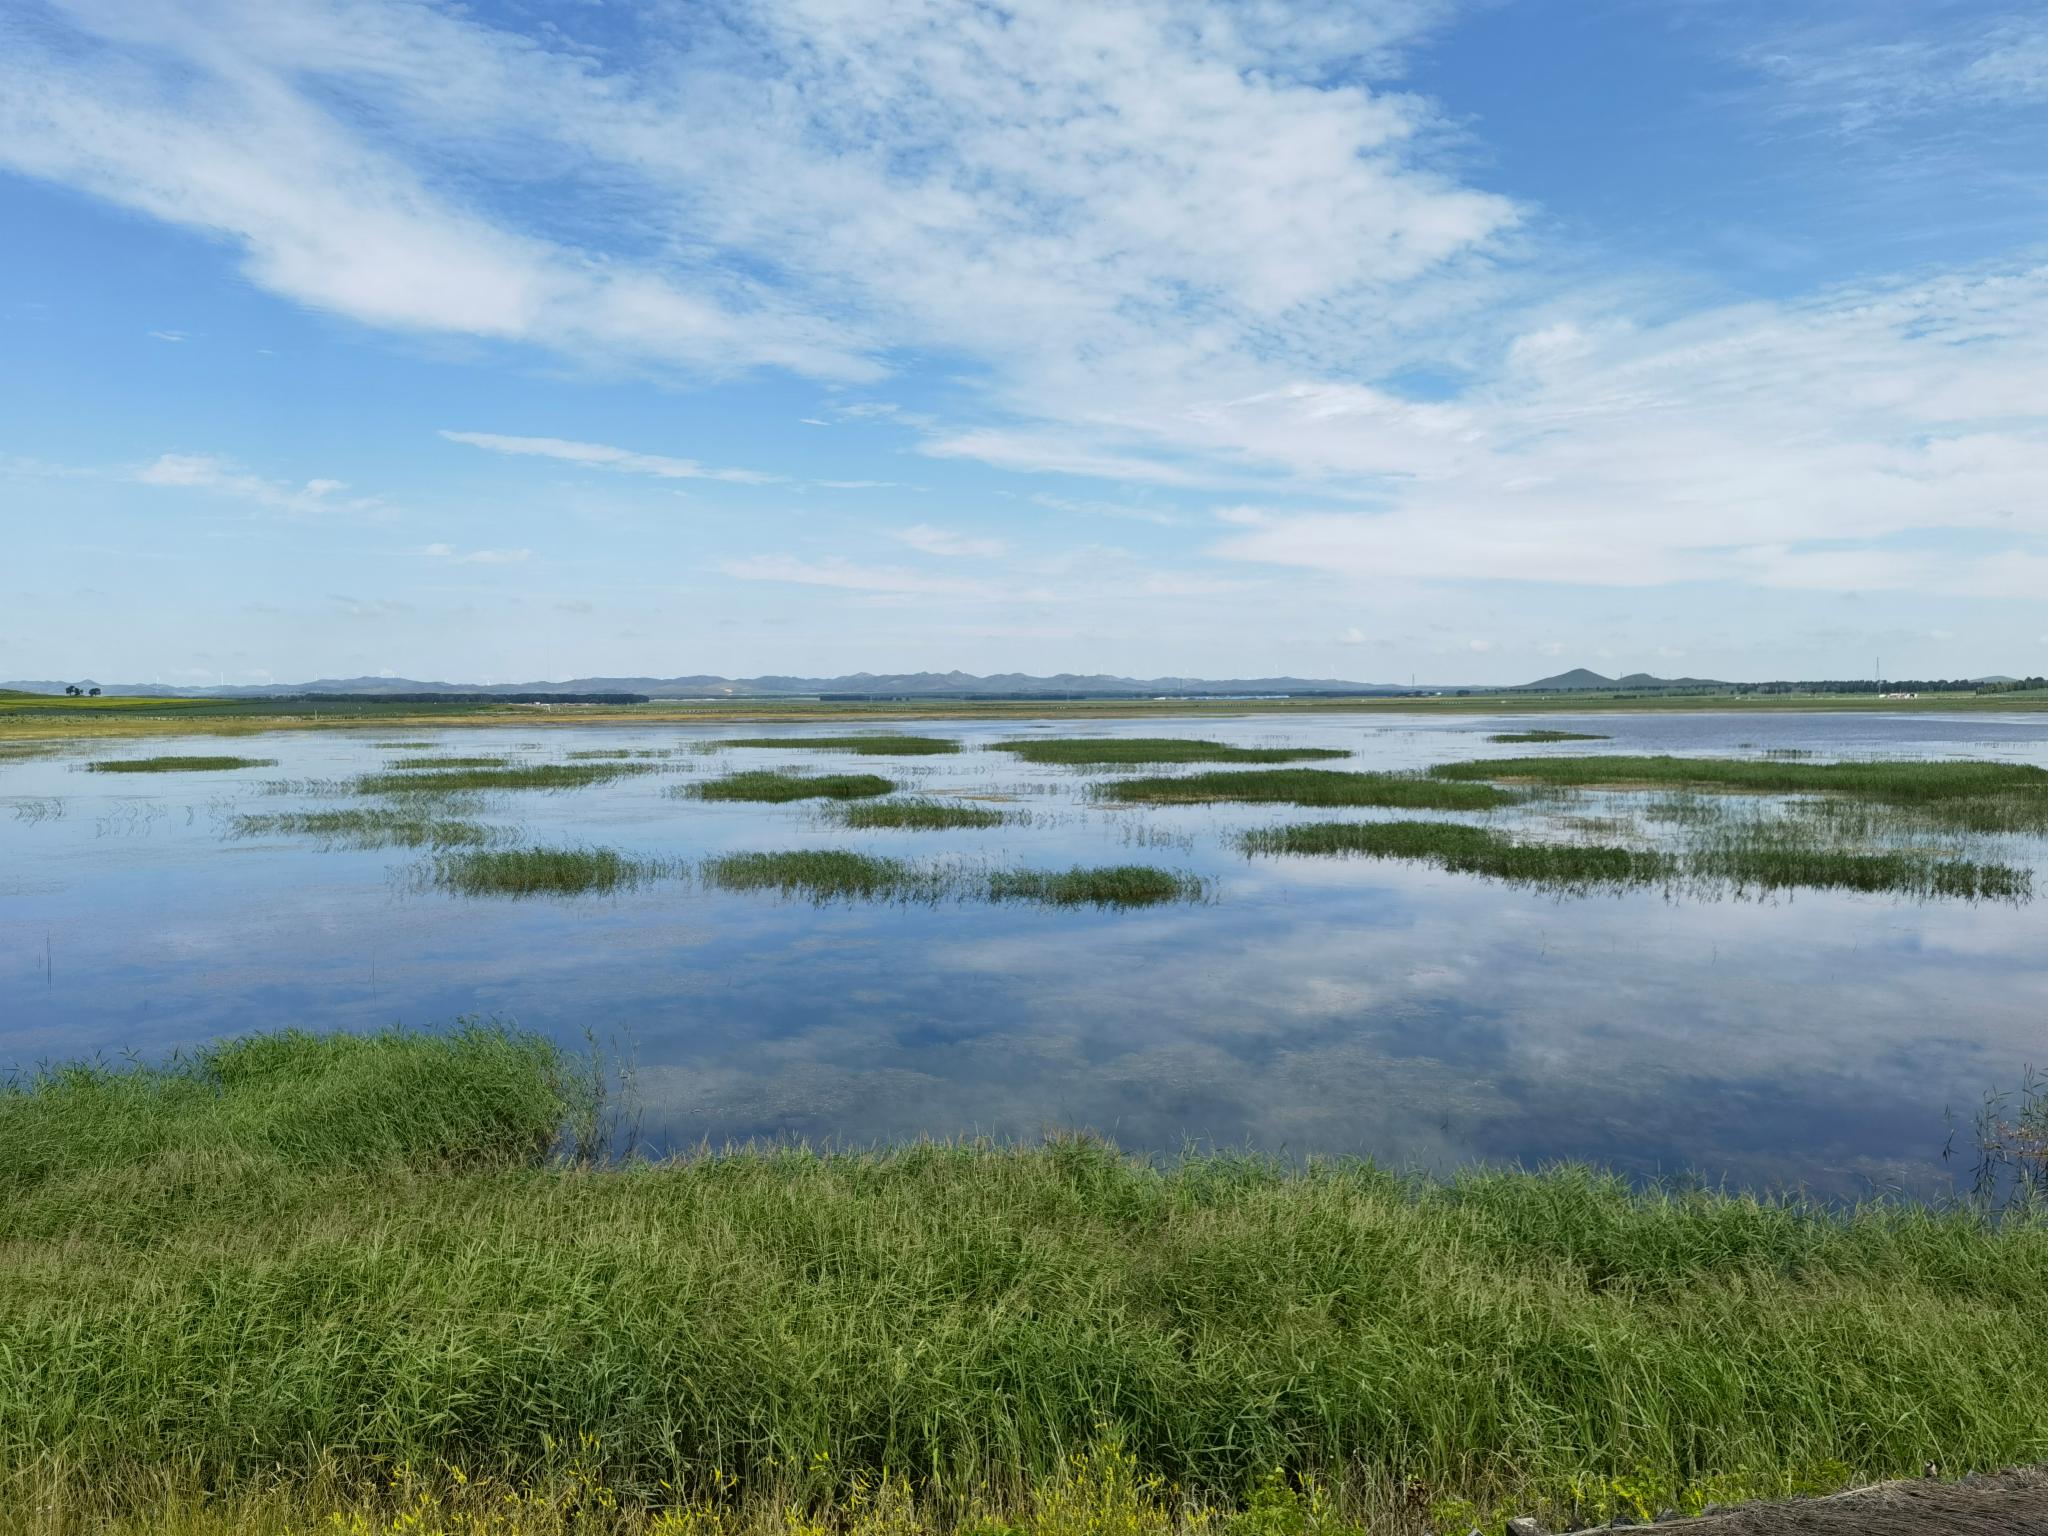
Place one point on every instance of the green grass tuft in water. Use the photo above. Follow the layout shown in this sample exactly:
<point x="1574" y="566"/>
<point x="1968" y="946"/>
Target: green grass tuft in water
<point x="1116" y="885"/>
<point x="1309" y="786"/>
<point x="1969" y="795"/>
<point x="367" y="827"/>
<point x="1086" y="751"/>
<point x="921" y="816"/>
<point x="1506" y="737"/>
<point x="829" y="875"/>
<point x="448" y="762"/>
<point x="878" y="744"/>
<point x="1469" y="850"/>
<point x="544" y="872"/>
<point x="770" y="787"/>
<point x="178" y="764"/>
<point x="478" y="780"/>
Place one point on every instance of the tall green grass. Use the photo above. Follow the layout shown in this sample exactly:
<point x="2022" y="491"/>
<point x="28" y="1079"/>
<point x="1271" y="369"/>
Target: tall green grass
<point x="773" y="788"/>
<point x="829" y="875"/>
<point x="1309" y="786"/>
<point x="543" y="871"/>
<point x="446" y="763"/>
<point x="302" y="1255"/>
<point x="1470" y="850"/>
<point x="1115" y="885"/>
<point x="1087" y="751"/>
<point x="1507" y="737"/>
<point x="1976" y="796"/>
<point x="512" y="776"/>
<point x="877" y="744"/>
<point x="921" y="815"/>
<point x="1787" y="857"/>
<point x="174" y="764"/>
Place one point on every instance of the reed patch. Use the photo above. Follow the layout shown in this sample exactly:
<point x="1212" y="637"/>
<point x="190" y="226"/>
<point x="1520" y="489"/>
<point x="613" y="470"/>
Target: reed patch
<point x="173" y="764"/>
<point x="876" y="744"/>
<point x="1102" y="751"/>
<point x="771" y="787"/>
<point x="1310" y="787"/>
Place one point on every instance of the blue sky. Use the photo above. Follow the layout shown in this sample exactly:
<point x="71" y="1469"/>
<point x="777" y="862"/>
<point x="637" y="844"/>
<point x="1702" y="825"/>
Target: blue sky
<point x="1343" y="338"/>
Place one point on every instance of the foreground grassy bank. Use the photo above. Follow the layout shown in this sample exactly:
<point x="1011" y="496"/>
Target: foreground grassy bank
<point x="289" y="1269"/>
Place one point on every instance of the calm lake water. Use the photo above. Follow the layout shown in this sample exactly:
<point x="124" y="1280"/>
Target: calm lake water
<point x="1314" y="1006"/>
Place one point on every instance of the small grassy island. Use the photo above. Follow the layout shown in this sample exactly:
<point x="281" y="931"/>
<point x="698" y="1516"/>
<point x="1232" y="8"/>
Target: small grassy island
<point x="342" y="1283"/>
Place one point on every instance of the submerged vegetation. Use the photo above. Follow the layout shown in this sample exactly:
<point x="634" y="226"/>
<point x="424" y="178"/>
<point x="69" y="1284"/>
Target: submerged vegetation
<point x="514" y="776"/>
<point x="1090" y="751"/>
<point x="879" y="744"/>
<point x="543" y="871"/>
<point x="773" y="788"/>
<point x="367" y="827"/>
<point x="1506" y="737"/>
<point x="1309" y="786"/>
<point x="1469" y="850"/>
<point x="448" y="762"/>
<point x="921" y="815"/>
<point x="202" y="764"/>
<point x="308" y="1261"/>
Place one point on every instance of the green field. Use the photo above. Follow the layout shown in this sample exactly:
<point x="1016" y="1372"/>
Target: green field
<point x="347" y="1273"/>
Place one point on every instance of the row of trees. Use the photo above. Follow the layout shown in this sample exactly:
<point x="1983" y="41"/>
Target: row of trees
<point x="72" y="690"/>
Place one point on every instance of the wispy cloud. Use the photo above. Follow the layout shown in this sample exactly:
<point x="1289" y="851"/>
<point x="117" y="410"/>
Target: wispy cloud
<point x="222" y="477"/>
<point x="853" y="577"/>
<point x="605" y="456"/>
<point x="476" y="556"/>
<point x="944" y="541"/>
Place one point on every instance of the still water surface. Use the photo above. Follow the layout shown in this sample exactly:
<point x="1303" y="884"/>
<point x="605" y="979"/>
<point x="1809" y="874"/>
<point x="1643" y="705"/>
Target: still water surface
<point x="1314" y="1006"/>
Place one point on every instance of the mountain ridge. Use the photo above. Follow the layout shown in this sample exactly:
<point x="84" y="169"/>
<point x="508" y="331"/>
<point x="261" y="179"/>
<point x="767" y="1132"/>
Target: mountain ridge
<point x="883" y="684"/>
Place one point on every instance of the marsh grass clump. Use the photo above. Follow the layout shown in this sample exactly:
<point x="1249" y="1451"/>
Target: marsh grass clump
<point x="829" y="875"/>
<point x="483" y="1095"/>
<point x="448" y="762"/>
<point x="921" y="815"/>
<point x="1968" y="795"/>
<point x="543" y="872"/>
<point x="874" y="744"/>
<point x="367" y="827"/>
<point x="542" y="776"/>
<point x="1096" y="751"/>
<point x="776" y="788"/>
<point x="1768" y="857"/>
<point x="1115" y="885"/>
<point x="301" y="1257"/>
<point x="173" y="764"/>
<point x="1309" y="786"/>
<point x="1510" y="737"/>
<point x="1469" y="850"/>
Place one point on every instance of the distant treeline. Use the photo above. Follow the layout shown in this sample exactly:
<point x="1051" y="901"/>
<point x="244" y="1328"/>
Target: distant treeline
<point x="471" y="698"/>
<point x="1896" y="685"/>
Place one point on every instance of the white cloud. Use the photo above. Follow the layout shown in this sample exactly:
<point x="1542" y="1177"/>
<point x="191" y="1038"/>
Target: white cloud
<point x="476" y="556"/>
<point x="169" y="335"/>
<point x="604" y="456"/>
<point x="222" y="477"/>
<point x="943" y="541"/>
<point x="854" y="578"/>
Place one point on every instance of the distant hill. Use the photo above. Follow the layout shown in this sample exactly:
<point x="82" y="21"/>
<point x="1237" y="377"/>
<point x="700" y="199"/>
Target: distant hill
<point x="1580" y="680"/>
<point x="871" y="684"/>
